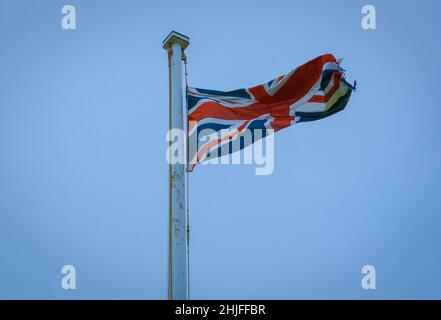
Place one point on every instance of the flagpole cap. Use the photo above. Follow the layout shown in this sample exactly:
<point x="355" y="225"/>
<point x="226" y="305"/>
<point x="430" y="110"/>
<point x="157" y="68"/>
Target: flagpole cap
<point x="176" y="37"/>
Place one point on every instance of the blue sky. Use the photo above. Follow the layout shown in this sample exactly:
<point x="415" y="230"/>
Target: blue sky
<point x="83" y="176"/>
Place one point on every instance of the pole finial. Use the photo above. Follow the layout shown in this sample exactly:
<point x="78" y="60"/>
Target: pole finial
<point x="176" y="37"/>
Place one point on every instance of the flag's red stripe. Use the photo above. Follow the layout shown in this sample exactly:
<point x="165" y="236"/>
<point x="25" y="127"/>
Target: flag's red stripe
<point x="211" y="109"/>
<point x="298" y="84"/>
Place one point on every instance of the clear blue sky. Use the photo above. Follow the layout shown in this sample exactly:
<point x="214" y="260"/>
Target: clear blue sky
<point x="83" y="176"/>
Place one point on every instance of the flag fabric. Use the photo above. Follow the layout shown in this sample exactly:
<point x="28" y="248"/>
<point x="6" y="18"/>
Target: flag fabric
<point x="313" y="91"/>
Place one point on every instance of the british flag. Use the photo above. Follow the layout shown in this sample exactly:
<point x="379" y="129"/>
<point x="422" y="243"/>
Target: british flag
<point x="315" y="90"/>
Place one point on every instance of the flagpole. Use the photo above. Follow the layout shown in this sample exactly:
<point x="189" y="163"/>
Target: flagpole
<point x="178" y="281"/>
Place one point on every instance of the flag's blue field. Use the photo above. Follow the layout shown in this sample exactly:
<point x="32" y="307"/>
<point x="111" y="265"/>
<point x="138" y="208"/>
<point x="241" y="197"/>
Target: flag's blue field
<point x="83" y="171"/>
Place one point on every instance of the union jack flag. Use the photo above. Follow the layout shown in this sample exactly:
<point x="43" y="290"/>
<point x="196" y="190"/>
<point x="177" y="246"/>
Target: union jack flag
<point x="315" y="90"/>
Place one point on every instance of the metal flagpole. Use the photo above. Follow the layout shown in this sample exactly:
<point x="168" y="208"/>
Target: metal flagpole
<point x="178" y="286"/>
